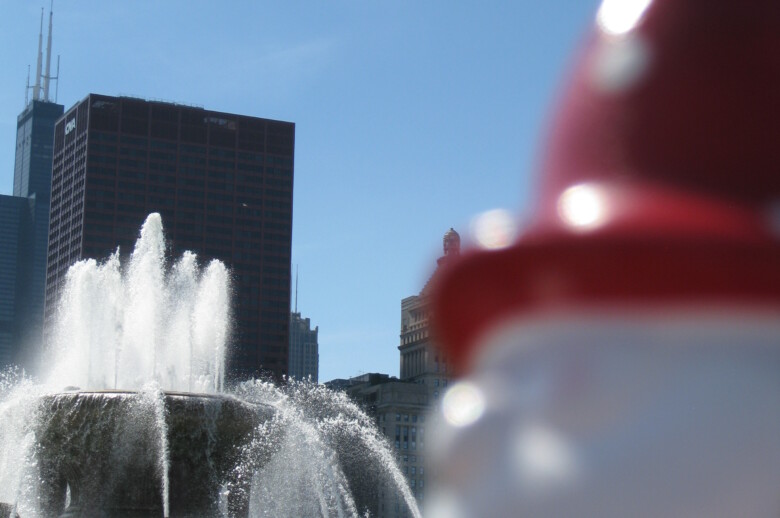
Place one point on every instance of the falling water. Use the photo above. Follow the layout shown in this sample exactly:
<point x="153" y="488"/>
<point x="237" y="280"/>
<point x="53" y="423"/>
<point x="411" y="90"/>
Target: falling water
<point x="326" y="426"/>
<point x="154" y="398"/>
<point x="139" y="350"/>
<point x="17" y="461"/>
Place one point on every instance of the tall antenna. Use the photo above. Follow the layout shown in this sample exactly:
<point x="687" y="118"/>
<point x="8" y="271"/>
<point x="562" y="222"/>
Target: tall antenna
<point x="37" y="87"/>
<point x="57" y="77"/>
<point x="27" y="90"/>
<point x="47" y="77"/>
<point x="296" y="288"/>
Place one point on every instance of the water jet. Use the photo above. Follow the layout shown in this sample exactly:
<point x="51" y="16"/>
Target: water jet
<point x="133" y="418"/>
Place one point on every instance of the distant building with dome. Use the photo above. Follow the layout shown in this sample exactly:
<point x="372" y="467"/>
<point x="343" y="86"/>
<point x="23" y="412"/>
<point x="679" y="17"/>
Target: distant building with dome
<point x="400" y="405"/>
<point x="421" y="362"/>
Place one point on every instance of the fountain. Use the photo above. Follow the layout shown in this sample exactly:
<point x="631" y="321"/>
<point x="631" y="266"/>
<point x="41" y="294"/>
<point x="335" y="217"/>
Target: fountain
<point x="133" y="418"/>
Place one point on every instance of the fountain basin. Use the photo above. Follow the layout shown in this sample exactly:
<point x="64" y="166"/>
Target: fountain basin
<point x="262" y="450"/>
<point x="140" y="454"/>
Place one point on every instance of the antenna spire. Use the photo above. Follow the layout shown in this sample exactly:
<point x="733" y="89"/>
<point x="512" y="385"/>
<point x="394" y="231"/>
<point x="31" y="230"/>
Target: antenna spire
<point x="47" y="77"/>
<point x="27" y="90"/>
<point x="57" y="77"/>
<point x="296" y="288"/>
<point x="37" y="87"/>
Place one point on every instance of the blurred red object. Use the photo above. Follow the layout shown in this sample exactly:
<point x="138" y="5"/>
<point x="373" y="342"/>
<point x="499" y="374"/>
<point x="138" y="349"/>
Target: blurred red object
<point x="660" y="182"/>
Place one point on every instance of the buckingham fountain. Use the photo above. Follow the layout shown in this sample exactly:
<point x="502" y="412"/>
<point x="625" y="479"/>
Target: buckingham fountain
<point x="132" y="417"/>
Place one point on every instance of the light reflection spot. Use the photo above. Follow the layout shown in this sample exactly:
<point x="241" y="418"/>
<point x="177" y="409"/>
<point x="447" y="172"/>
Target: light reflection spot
<point x="619" y="64"/>
<point x="494" y="229"/>
<point x="617" y="17"/>
<point x="544" y="455"/>
<point x="463" y="404"/>
<point x="583" y="207"/>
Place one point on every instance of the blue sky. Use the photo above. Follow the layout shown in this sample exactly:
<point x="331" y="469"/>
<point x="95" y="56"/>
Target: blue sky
<point x="411" y="118"/>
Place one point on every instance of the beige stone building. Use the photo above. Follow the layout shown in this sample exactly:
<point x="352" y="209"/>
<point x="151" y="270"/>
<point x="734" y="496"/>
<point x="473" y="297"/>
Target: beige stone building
<point x="400" y="406"/>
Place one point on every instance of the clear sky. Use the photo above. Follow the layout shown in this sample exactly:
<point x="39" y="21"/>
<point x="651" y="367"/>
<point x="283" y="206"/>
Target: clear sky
<point x="411" y="117"/>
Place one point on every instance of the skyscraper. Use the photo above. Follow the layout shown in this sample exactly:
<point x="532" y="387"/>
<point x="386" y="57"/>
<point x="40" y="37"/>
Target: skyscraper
<point x="304" y="350"/>
<point x="32" y="180"/>
<point x="222" y="183"/>
<point x="24" y="221"/>
<point x="15" y="224"/>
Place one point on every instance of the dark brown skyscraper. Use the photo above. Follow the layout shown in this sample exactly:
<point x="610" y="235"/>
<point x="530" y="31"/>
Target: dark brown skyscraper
<point x="222" y="183"/>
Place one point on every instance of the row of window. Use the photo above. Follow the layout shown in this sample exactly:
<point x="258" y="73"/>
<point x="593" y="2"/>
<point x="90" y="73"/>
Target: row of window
<point x="142" y="142"/>
<point x="406" y="417"/>
<point x="410" y="458"/>
<point x="194" y="176"/>
<point x="414" y="470"/>
<point x="407" y="437"/>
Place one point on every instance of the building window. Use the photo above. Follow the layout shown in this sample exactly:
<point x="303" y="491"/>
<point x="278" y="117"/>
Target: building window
<point x="397" y="417"/>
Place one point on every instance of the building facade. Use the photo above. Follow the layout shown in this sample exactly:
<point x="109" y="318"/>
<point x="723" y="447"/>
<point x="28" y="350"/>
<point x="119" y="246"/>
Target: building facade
<point x="400" y="406"/>
<point x="32" y="180"/>
<point x="421" y="361"/>
<point x="24" y="233"/>
<point x="15" y="225"/>
<point x="222" y="183"/>
<point x="304" y="350"/>
<point x="399" y="409"/>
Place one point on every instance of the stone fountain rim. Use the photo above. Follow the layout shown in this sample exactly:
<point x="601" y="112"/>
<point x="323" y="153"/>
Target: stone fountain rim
<point x="168" y="393"/>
